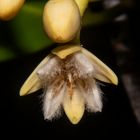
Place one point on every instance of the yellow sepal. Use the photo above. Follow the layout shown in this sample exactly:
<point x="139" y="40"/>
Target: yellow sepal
<point x="65" y="50"/>
<point x="33" y="84"/>
<point x="103" y="72"/>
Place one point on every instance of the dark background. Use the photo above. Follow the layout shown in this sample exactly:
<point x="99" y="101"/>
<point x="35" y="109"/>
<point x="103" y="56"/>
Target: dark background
<point x="21" y="117"/>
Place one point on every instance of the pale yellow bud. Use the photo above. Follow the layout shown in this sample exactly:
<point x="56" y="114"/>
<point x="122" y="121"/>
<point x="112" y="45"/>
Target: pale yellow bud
<point x="61" y="20"/>
<point x="9" y="8"/>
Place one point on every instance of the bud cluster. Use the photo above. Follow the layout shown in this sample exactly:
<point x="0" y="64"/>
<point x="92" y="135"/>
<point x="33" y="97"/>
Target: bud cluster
<point x="69" y="74"/>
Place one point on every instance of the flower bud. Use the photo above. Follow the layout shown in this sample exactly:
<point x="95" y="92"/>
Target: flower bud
<point x="61" y="20"/>
<point x="9" y="8"/>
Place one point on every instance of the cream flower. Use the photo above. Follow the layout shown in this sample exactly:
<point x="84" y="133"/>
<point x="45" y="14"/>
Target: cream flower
<point x="68" y="76"/>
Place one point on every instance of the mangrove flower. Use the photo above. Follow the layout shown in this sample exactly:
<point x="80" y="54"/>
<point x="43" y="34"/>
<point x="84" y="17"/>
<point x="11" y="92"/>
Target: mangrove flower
<point x="69" y="78"/>
<point x="69" y="74"/>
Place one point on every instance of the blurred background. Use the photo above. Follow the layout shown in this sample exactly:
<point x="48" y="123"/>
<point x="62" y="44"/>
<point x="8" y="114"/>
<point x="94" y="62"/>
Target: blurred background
<point x="110" y="31"/>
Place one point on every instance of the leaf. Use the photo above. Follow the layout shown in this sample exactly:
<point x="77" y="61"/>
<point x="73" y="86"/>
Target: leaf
<point x="6" y="54"/>
<point x="27" y="28"/>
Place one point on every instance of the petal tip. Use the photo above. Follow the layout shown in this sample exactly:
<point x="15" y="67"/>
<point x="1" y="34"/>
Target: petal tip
<point x="22" y="92"/>
<point x="103" y="72"/>
<point x="114" y="79"/>
<point x="74" y="120"/>
<point x="74" y="109"/>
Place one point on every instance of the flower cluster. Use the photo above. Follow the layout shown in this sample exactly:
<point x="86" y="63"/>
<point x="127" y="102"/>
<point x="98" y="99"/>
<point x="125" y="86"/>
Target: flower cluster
<point x="69" y="77"/>
<point x="69" y="74"/>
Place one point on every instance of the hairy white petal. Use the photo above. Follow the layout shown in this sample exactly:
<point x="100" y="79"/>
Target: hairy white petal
<point x="91" y="93"/>
<point x="79" y="65"/>
<point x="50" y="69"/>
<point x="83" y="62"/>
<point x="52" y="101"/>
<point x="93" y="99"/>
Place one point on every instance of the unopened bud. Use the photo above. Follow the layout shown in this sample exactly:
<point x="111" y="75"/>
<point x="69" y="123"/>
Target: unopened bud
<point x="9" y="8"/>
<point x="61" y="20"/>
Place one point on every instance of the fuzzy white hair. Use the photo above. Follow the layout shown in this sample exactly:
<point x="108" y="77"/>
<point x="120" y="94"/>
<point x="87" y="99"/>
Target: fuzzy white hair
<point x="54" y="77"/>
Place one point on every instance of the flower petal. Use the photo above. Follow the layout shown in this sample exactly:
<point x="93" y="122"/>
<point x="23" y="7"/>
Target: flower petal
<point x="33" y="84"/>
<point x="103" y="72"/>
<point x="93" y="99"/>
<point x="91" y="93"/>
<point x="74" y="106"/>
<point x="52" y="100"/>
<point x="50" y="70"/>
<point x="83" y="67"/>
